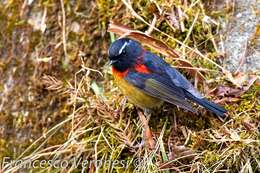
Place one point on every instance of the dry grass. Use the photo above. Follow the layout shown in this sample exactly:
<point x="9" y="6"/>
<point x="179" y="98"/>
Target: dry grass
<point x="58" y="101"/>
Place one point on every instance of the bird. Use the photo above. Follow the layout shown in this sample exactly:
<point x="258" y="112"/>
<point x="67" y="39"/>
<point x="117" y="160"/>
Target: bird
<point x="148" y="81"/>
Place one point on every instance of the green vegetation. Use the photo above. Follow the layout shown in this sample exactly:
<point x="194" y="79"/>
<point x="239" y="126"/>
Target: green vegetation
<point x="58" y="101"/>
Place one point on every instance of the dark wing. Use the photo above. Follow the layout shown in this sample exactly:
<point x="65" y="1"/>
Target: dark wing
<point x="178" y="82"/>
<point x="159" y="86"/>
<point x="159" y="66"/>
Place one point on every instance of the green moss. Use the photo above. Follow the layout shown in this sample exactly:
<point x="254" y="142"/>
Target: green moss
<point x="107" y="129"/>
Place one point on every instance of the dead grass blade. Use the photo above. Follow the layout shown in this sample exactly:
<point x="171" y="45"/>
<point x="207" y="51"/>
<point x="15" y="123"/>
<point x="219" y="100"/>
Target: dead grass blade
<point x="147" y="132"/>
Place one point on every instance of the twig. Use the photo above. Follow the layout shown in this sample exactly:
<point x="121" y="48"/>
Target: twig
<point x="147" y="132"/>
<point x="151" y="27"/>
<point x="64" y="32"/>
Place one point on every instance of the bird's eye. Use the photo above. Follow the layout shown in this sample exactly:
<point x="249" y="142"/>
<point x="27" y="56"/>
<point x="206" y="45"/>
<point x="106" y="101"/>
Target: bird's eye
<point x="124" y="52"/>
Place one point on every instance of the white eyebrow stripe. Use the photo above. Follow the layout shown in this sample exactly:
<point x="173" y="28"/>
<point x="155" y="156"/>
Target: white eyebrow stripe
<point x="122" y="48"/>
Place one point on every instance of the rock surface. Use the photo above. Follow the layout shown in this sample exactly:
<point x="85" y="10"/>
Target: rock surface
<point x="241" y="44"/>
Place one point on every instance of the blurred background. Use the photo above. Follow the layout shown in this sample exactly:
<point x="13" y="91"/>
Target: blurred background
<point x="58" y="100"/>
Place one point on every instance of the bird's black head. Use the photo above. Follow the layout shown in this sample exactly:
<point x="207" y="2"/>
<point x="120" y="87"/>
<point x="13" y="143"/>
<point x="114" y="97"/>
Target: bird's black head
<point x="123" y="53"/>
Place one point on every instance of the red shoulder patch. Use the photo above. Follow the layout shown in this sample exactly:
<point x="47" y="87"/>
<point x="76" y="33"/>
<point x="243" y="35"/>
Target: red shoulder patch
<point x="141" y="68"/>
<point x="118" y="73"/>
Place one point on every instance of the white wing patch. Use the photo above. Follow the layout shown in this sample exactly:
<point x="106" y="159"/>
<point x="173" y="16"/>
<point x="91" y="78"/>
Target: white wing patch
<point x="122" y="48"/>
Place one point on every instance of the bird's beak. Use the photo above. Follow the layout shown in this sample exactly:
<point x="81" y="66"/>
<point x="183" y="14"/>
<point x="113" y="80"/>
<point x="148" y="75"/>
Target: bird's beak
<point x="111" y="62"/>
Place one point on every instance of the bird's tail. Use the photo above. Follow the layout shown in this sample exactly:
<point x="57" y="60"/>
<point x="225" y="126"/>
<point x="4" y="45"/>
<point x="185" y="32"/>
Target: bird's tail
<point x="218" y="110"/>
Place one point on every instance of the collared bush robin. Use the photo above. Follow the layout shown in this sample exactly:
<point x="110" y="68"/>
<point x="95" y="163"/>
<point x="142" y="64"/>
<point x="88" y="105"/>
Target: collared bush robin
<point x="148" y="81"/>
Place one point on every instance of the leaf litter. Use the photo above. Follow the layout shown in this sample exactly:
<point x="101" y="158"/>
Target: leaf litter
<point x="57" y="112"/>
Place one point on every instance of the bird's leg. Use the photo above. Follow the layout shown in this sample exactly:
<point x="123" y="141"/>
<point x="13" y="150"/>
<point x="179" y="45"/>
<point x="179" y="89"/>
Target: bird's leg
<point x="148" y="136"/>
<point x="174" y="122"/>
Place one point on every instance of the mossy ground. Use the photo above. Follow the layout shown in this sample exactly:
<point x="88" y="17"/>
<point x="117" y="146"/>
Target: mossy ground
<point x="58" y="100"/>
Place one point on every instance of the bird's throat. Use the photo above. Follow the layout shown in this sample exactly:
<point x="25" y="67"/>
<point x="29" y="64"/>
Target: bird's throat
<point x="120" y="74"/>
